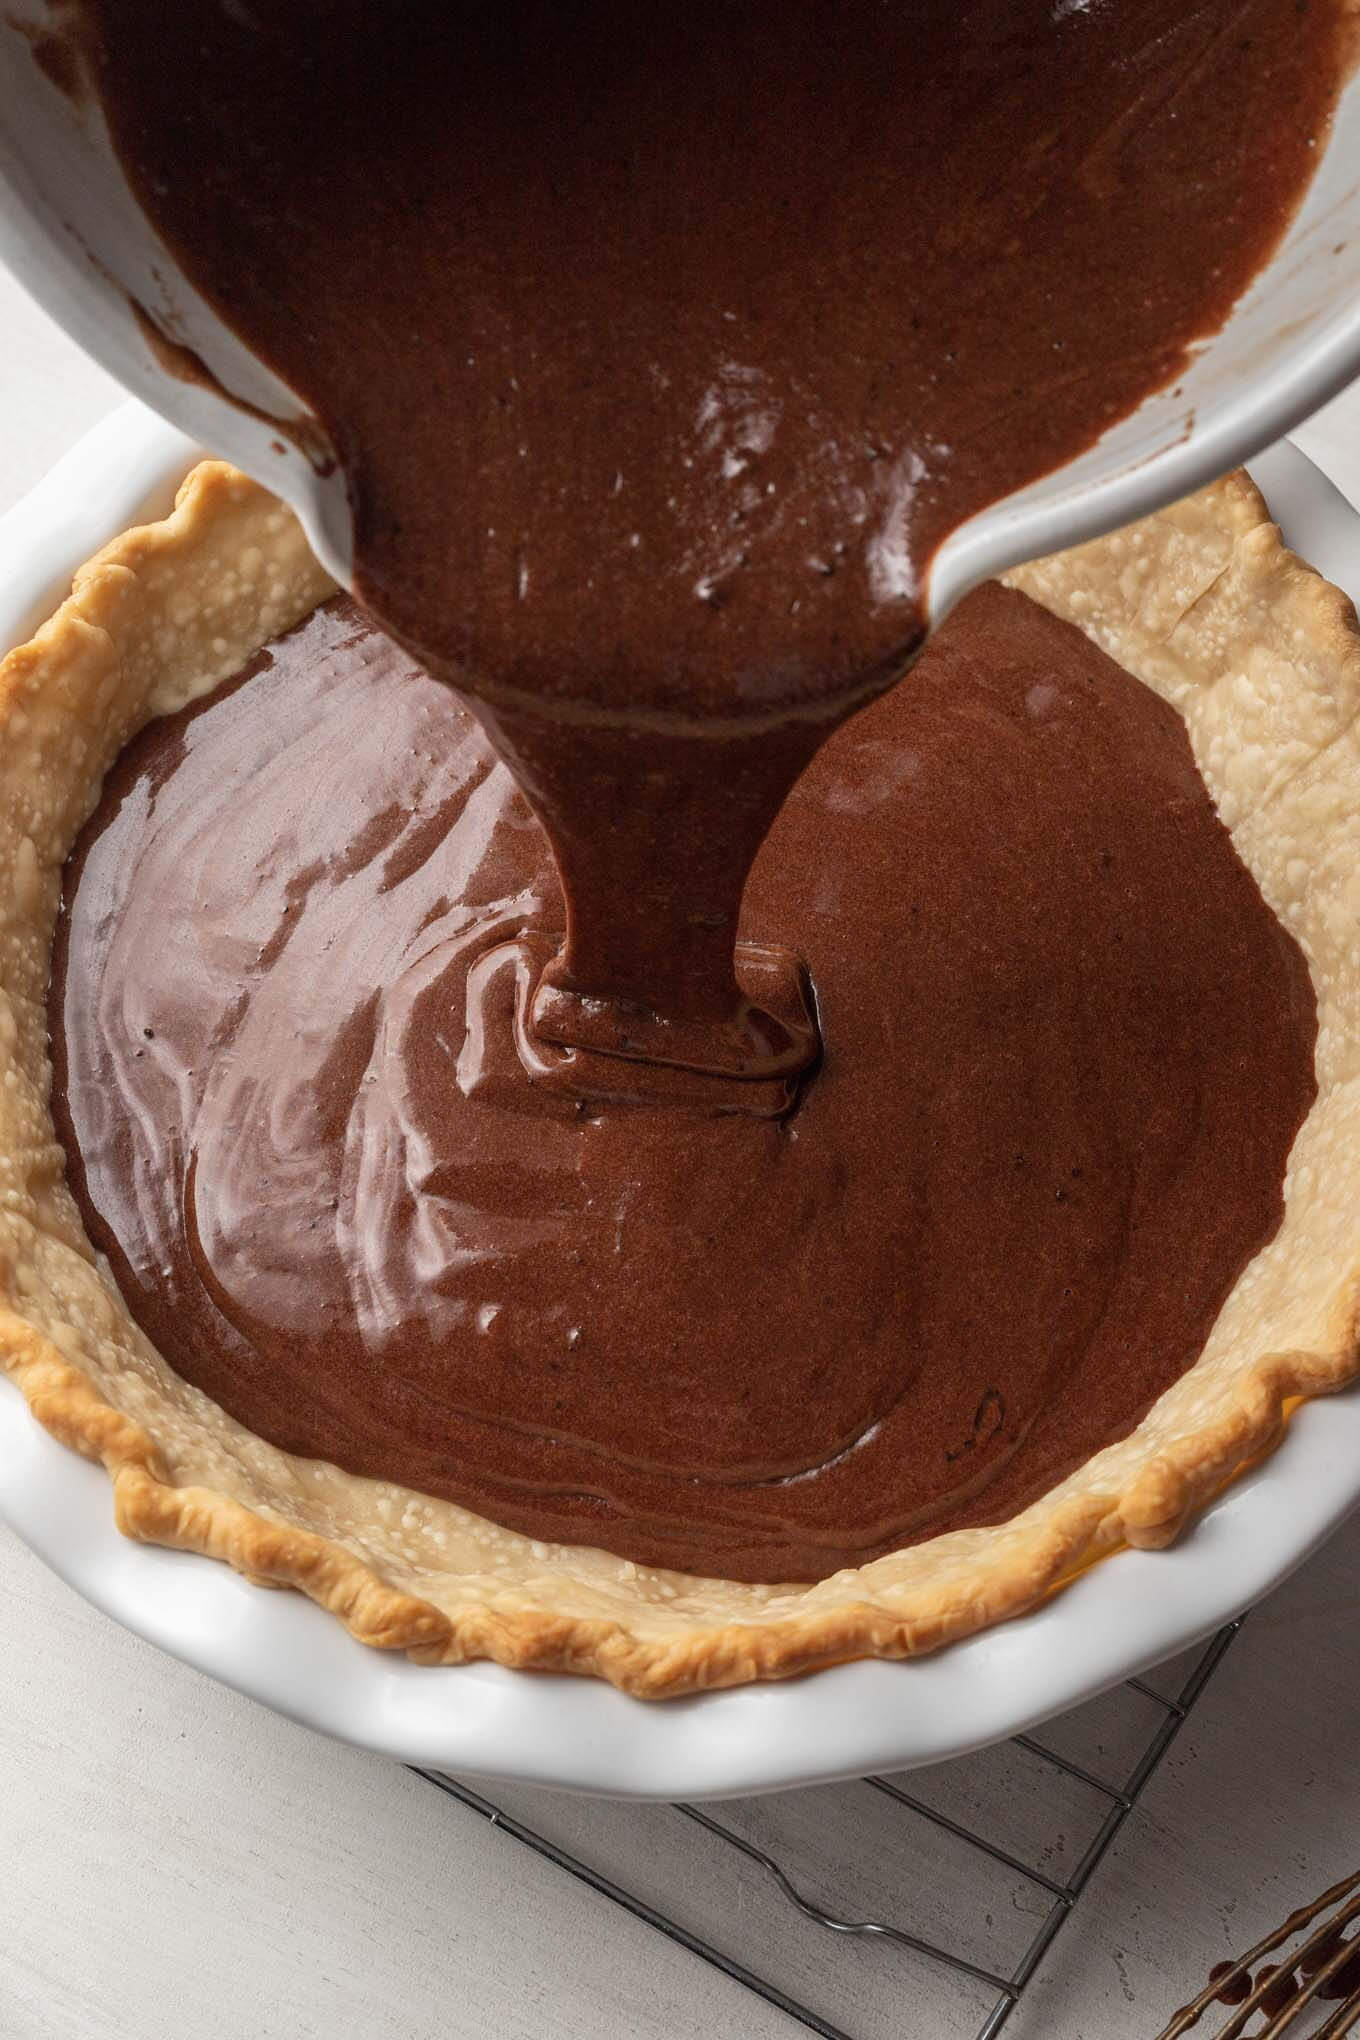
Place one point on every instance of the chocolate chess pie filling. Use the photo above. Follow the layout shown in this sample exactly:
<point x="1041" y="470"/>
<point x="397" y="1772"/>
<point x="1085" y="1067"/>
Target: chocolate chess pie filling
<point x="1066" y="1049"/>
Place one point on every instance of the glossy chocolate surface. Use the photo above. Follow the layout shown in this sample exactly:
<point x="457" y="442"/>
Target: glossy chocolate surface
<point x="349" y="1194"/>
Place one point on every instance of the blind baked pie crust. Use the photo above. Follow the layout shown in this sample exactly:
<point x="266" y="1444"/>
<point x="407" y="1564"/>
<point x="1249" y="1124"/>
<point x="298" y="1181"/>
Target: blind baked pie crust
<point x="1202" y="602"/>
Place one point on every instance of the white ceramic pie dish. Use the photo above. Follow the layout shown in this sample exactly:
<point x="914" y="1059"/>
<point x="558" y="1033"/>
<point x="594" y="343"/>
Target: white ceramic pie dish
<point x="1125" y="1614"/>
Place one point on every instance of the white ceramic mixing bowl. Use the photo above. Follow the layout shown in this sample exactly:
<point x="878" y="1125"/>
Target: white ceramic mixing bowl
<point x="73" y="232"/>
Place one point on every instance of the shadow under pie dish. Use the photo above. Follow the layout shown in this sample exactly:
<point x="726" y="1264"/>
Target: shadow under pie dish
<point x="1205" y="606"/>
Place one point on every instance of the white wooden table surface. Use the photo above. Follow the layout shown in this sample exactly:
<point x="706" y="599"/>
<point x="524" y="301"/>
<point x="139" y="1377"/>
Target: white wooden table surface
<point x="176" y="1861"/>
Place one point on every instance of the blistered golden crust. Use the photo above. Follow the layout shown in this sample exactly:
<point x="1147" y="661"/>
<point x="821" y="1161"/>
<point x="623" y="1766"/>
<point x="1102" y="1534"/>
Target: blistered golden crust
<point x="1203" y="602"/>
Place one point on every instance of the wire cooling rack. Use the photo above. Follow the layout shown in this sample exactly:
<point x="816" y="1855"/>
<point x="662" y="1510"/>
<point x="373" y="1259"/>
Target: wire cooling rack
<point x="950" y="1884"/>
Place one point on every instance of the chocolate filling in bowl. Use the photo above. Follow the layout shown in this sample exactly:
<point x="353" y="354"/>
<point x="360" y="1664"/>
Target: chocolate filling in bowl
<point x="662" y="349"/>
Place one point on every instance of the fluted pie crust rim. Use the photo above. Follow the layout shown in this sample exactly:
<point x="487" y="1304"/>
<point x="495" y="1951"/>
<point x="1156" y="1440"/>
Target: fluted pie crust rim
<point x="1205" y="604"/>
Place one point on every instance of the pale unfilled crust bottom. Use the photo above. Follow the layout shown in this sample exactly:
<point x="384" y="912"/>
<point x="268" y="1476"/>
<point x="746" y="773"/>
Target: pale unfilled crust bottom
<point x="1202" y="602"/>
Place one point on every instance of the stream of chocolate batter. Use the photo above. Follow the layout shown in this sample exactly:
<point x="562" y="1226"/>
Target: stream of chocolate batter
<point x="1067" y="1050"/>
<point x="663" y="346"/>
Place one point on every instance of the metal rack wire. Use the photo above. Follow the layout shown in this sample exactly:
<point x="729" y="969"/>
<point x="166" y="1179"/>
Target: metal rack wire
<point x="748" y="1885"/>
